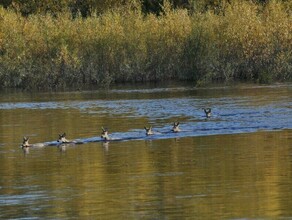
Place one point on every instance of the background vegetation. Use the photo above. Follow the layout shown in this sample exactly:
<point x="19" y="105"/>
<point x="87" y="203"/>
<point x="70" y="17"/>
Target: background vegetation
<point x="73" y="44"/>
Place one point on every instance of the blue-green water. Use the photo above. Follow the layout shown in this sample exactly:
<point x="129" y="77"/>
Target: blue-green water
<point x="236" y="164"/>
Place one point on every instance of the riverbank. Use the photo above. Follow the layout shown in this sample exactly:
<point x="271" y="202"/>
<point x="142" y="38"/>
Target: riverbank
<point x="245" y="43"/>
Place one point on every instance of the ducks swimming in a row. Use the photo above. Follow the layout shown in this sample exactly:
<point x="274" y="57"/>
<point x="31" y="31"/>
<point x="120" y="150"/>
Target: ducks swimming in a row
<point x="61" y="140"/>
<point x="175" y="129"/>
<point x="148" y="130"/>
<point x="105" y="135"/>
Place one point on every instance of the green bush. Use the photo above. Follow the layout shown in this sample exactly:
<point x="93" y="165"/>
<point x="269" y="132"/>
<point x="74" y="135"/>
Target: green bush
<point x="247" y="42"/>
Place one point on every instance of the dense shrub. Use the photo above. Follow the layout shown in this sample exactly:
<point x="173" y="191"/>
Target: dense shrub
<point x="246" y="42"/>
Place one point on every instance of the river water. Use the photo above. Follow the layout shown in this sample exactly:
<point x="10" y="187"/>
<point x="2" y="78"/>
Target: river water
<point x="235" y="165"/>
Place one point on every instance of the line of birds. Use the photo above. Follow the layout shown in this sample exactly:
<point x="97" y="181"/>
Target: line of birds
<point x="104" y="134"/>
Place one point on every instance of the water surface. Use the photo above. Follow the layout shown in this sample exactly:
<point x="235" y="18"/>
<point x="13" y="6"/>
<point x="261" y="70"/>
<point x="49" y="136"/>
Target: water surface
<point x="235" y="165"/>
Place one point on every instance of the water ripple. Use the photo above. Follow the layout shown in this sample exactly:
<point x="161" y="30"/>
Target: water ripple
<point x="231" y="114"/>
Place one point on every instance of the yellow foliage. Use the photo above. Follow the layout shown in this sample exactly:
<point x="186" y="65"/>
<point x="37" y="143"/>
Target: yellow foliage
<point x="245" y="42"/>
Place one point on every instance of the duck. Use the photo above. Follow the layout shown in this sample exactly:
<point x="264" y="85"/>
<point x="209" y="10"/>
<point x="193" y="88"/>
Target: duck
<point x="207" y="112"/>
<point x="148" y="130"/>
<point x="104" y="134"/>
<point x="62" y="139"/>
<point x="175" y="127"/>
<point x="25" y="143"/>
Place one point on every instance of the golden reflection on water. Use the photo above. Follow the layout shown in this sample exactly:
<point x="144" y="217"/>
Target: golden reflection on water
<point x="214" y="177"/>
<point x="239" y="176"/>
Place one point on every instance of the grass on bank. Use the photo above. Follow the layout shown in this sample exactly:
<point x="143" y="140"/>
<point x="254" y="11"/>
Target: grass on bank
<point x="247" y="42"/>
